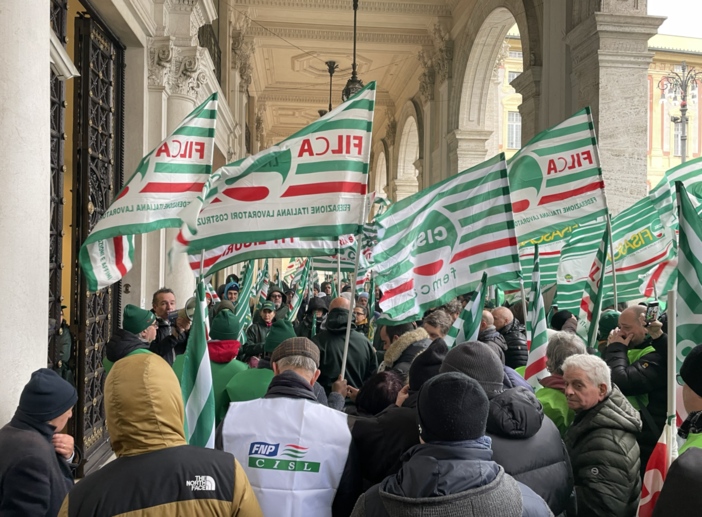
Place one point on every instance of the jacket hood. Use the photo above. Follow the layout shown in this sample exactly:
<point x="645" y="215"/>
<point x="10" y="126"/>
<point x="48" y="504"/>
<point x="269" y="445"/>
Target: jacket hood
<point x="276" y="289"/>
<point x="123" y="343"/>
<point x="395" y="350"/>
<point x="143" y="405"/>
<point x="224" y="351"/>
<point x="515" y="413"/>
<point x="444" y="469"/>
<point x="614" y="412"/>
<point x="337" y="320"/>
<point x="317" y="304"/>
<point x="554" y="381"/>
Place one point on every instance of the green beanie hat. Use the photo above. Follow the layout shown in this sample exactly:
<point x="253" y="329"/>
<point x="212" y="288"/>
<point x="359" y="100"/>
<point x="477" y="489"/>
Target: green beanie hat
<point x="608" y="322"/>
<point x="225" y="326"/>
<point x="280" y="331"/>
<point x="136" y="319"/>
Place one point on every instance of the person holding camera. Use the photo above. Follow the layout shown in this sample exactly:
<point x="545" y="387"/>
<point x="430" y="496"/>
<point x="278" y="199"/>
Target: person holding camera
<point x="173" y="326"/>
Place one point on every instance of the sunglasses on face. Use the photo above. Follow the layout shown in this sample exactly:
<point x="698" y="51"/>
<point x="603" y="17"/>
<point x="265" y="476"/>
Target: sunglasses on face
<point x="276" y="296"/>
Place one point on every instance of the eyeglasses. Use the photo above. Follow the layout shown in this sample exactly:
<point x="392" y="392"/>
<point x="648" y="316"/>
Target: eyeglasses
<point x="276" y="296"/>
<point x="359" y="313"/>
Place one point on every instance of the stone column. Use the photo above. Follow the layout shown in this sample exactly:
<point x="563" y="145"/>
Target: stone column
<point x="528" y="85"/>
<point x="24" y="211"/>
<point x="610" y="65"/>
<point x="467" y="148"/>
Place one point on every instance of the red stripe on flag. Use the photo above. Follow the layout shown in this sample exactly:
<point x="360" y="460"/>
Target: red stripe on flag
<point x="641" y="264"/>
<point x="585" y="306"/>
<point x="325" y="188"/>
<point x="181" y="239"/>
<point x="403" y="288"/>
<point x="655" y="277"/>
<point x="119" y="255"/>
<point x="482" y="248"/>
<point x="171" y="188"/>
<point x="535" y="367"/>
<point x="542" y="253"/>
<point x="208" y="262"/>
<point x="571" y="193"/>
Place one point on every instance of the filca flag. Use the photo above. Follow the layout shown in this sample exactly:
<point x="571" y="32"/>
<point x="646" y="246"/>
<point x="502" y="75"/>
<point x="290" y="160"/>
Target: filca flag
<point x="166" y="180"/>
<point x="313" y="184"/>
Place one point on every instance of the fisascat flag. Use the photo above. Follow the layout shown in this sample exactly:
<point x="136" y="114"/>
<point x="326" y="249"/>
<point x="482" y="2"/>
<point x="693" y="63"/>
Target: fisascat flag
<point x="663" y="195"/>
<point x="312" y="184"/>
<point x="437" y="243"/>
<point x="166" y="180"/>
<point x="689" y="299"/>
<point x="556" y="179"/>
<point x="467" y="325"/>
<point x="231" y="254"/>
<point x="549" y="258"/>
<point x="536" y="331"/>
<point x="196" y="381"/>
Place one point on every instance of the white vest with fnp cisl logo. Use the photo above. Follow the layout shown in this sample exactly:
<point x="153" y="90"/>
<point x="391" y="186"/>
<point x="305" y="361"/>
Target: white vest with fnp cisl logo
<point x="293" y="451"/>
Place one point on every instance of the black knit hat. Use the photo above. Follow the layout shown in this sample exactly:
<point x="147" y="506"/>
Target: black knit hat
<point x="691" y="370"/>
<point x="452" y="407"/>
<point x="559" y="318"/>
<point x="47" y="396"/>
<point x="477" y="361"/>
<point x="426" y="365"/>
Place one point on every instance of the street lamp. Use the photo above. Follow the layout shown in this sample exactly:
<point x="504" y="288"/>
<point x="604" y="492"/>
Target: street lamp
<point x="678" y="83"/>
<point x="354" y="84"/>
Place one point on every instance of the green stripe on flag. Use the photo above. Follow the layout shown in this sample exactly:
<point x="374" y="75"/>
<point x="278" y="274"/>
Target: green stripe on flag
<point x="182" y="168"/>
<point x="562" y="148"/>
<point x="204" y="132"/>
<point x="208" y="114"/>
<point x="364" y="104"/>
<point x="332" y="165"/>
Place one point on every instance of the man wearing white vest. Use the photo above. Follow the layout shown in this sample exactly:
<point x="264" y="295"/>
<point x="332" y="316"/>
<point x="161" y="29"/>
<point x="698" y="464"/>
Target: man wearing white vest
<point x="297" y="453"/>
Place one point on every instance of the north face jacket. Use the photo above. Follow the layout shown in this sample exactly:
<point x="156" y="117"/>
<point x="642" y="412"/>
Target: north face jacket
<point x="361" y="362"/>
<point x="517" y="353"/>
<point x="156" y="474"/>
<point x="399" y="355"/>
<point x="602" y="446"/>
<point x="450" y="481"/>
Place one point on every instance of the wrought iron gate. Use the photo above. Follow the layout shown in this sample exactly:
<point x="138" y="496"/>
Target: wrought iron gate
<point x="98" y="151"/>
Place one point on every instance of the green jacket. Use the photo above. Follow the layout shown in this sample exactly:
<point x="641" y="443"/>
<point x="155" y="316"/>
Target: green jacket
<point x="556" y="406"/>
<point x="224" y="367"/>
<point x="249" y="385"/>
<point x="693" y="440"/>
<point x="361" y="362"/>
<point x="605" y="457"/>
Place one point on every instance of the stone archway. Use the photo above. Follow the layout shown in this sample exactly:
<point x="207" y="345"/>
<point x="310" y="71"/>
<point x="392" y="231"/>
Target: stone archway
<point x="381" y="175"/>
<point x="405" y="176"/>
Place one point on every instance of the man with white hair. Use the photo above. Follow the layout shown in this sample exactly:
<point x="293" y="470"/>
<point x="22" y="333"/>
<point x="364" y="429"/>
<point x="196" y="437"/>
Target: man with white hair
<point x="601" y="441"/>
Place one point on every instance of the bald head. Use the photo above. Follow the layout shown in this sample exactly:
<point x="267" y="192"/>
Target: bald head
<point x="502" y="316"/>
<point x="487" y="320"/>
<point x="630" y="324"/>
<point x="340" y="303"/>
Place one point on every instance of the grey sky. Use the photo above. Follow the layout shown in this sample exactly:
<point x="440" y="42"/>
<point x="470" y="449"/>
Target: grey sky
<point x="684" y="16"/>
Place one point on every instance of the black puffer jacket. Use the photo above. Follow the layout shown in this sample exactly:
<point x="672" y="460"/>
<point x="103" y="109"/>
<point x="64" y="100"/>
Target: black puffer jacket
<point x="517" y="354"/>
<point x="495" y="341"/>
<point x="166" y="344"/>
<point x="602" y="445"/>
<point x="644" y="378"/>
<point x="529" y="447"/>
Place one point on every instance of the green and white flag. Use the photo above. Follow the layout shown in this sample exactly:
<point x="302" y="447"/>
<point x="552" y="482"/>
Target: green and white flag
<point x="437" y="243"/>
<point x="556" y="179"/>
<point x="247" y="290"/>
<point x="300" y="282"/>
<point x="467" y="325"/>
<point x="591" y="297"/>
<point x="662" y="195"/>
<point x="166" y="180"/>
<point x="262" y="285"/>
<point x="231" y="254"/>
<point x="689" y="299"/>
<point x="536" y="331"/>
<point x="196" y="380"/>
<point x="292" y="269"/>
<point x="312" y="184"/>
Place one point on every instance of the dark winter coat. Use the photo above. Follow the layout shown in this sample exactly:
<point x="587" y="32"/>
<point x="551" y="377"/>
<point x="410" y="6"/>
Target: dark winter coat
<point x="282" y="311"/>
<point x="645" y="377"/>
<point x="682" y="491"/>
<point x="495" y="341"/>
<point x="602" y="445"/>
<point x="166" y="344"/>
<point x="400" y="354"/>
<point x="383" y="439"/>
<point x="255" y="339"/>
<point x="121" y="344"/>
<point x="516" y="354"/>
<point x="529" y="447"/>
<point x="449" y="481"/>
<point x="304" y="328"/>
<point x="361" y="362"/>
<point x="34" y="480"/>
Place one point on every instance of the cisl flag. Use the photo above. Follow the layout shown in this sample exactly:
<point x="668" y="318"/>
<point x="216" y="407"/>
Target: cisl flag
<point x="556" y="179"/>
<point x="166" y="181"/>
<point x="312" y="184"/>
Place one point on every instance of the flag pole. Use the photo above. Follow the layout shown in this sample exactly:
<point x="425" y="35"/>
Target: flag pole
<point x="202" y="262"/>
<point x="338" y="272"/>
<point x="524" y="301"/>
<point x="672" y="369"/>
<point x="611" y="252"/>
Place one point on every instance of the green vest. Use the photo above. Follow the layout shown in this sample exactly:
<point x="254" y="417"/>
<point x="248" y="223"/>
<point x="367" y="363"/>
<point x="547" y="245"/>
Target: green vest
<point x="693" y="440"/>
<point x="521" y="370"/>
<point x="249" y="385"/>
<point x="107" y="364"/>
<point x="556" y="408"/>
<point x="633" y="356"/>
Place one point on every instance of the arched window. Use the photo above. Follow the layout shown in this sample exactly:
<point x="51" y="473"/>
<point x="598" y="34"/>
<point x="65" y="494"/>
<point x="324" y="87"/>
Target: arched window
<point x="409" y="151"/>
<point x="381" y="176"/>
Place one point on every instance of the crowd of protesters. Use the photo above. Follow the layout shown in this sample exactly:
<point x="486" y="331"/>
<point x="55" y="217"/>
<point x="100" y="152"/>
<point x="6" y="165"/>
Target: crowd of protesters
<point x="412" y="427"/>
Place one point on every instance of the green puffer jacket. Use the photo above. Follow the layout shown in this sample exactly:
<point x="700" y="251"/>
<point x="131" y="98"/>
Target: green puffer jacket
<point x="604" y="454"/>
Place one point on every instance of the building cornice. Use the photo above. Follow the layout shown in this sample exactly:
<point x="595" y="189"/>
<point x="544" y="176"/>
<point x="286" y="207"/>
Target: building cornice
<point x="376" y="7"/>
<point x="387" y="38"/>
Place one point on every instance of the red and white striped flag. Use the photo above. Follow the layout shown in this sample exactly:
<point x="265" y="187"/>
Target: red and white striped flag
<point x="166" y="181"/>
<point x="656" y="471"/>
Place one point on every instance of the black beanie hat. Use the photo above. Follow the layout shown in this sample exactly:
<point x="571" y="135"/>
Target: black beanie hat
<point x="452" y="407"/>
<point x="47" y="396"/>
<point x="559" y="318"/>
<point x="691" y="370"/>
<point x="426" y="364"/>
